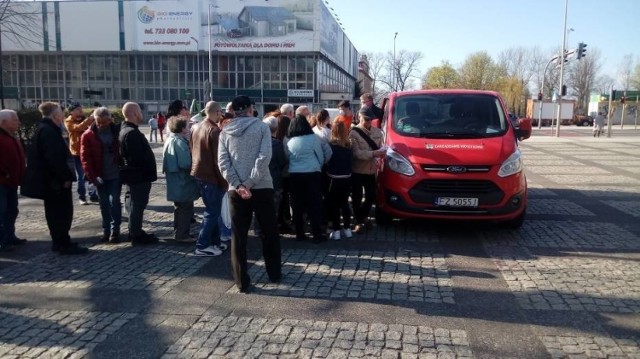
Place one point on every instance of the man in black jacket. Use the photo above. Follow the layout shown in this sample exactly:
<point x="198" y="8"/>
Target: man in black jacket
<point x="137" y="171"/>
<point x="53" y="173"/>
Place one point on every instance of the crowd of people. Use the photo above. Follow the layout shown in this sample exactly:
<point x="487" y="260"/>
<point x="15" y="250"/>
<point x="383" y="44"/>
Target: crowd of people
<point x="278" y="174"/>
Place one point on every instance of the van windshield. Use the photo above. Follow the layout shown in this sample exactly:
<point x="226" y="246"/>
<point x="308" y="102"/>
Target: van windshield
<point x="449" y="115"/>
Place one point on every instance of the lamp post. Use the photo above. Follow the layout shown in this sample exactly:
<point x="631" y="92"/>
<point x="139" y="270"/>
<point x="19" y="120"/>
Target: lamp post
<point x="210" y="54"/>
<point x="544" y="75"/>
<point x="198" y="84"/>
<point x="562" y="54"/>
<point x="393" y="65"/>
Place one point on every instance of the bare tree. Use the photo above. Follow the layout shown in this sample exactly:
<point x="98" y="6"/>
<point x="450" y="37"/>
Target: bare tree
<point x="516" y="62"/>
<point x="19" y="24"/>
<point x="377" y="62"/>
<point x="604" y="83"/>
<point x="582" y="77"/>
<point x="405" y="69"/>
<point x="625" y="68"/>
<point x="635" y="77"/>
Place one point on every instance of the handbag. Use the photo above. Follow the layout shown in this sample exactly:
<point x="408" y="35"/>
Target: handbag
<point x="225" y="211"/>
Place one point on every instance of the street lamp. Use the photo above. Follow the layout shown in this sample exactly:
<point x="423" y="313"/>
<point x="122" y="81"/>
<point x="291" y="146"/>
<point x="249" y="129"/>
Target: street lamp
<point x="562" y="54"/>
<point x="198" y="84"/>
<point x="393" y="65"/>
<point x="544" y="75"/>
<point x="210" y="54"/>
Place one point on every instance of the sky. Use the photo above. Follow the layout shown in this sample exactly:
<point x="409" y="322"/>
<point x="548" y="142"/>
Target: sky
<point x="453" y="29"/>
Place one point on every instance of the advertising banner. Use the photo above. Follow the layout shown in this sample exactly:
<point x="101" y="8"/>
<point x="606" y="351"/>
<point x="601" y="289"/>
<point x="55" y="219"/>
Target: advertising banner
<point x="164" y="25"/>
<point x="258" y="25"/>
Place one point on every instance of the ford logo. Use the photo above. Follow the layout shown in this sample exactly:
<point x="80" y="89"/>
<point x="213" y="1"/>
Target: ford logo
<point x="456" y="169"/>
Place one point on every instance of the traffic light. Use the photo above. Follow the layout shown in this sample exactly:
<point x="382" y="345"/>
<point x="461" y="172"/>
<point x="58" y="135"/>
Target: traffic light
<point x="539" y="96"/>
<point x="613" y="95"/>
<point x="582" y="50"/>
<point x="564" y="90"/>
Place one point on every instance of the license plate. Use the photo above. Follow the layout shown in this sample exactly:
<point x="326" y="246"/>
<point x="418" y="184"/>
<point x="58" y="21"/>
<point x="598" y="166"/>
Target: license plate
<point x="456" y="202"/>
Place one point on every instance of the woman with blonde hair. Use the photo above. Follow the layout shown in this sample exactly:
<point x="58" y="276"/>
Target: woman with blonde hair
<point x="338" y="177"/>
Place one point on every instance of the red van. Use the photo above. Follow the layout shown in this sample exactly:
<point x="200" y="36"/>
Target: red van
<point x="452" y="154"/>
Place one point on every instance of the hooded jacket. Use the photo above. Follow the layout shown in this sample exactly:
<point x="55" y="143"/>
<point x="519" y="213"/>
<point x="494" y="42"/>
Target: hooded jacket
<point x="244" y="153"/>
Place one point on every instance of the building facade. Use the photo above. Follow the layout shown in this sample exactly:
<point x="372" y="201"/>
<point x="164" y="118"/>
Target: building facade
<point x="153" y="52"/>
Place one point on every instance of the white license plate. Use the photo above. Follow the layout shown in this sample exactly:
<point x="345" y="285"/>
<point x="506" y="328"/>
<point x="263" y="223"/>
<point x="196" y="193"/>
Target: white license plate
<point x="456" y="202"/>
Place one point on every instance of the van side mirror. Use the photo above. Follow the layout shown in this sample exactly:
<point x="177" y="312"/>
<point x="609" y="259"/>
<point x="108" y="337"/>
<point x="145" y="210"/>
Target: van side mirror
<point x="523" y="131"/>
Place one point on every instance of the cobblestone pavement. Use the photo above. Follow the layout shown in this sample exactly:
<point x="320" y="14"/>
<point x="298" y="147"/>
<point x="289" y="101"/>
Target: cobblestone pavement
<point x="565" y="285"/>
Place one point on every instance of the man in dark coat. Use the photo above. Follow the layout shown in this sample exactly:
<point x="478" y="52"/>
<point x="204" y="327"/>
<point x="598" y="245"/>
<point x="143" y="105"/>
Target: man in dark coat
<point x="50" y="173"/>
<point x="12" y="166"/>
<point x="137" y="171"/>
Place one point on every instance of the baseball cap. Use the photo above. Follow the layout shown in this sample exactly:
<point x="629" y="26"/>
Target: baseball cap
<point x="74" y="105"/>
<point x="367" y="113"/>
<point x="241" y="103"/>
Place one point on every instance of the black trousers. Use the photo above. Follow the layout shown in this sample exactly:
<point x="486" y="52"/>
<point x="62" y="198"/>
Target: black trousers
<point x="338" y="202"/>
<point x="58" y="211"/>
<point x="260" y="203"/>
<point x="359" y="183"/>
<point x="306" y="196"/>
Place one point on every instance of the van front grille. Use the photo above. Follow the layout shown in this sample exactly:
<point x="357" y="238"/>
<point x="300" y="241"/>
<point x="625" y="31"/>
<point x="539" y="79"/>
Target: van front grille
<point x="427" y="191"/>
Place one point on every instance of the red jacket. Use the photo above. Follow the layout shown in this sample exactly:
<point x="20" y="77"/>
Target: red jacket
<point x="91" y="152"/>
<point x="12" y="160"/>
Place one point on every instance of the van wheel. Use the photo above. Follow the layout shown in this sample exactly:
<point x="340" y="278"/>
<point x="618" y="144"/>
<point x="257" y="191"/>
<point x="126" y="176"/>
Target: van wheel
<point x="517" y="222"/>
<point x="382" y="217"/>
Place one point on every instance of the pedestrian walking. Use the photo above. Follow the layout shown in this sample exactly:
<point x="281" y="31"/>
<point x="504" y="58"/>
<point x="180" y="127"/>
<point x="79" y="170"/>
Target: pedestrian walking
<point x="153" y="128"/>
<point x="598" y="124"/>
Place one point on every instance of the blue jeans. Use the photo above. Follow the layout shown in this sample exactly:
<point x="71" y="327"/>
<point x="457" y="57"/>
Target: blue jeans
<point x="8" y="214"/>
<point x="138" y="200"/>
<point x="212" y="223"/>
<point x="82" y="190"/>
<point x="110" y="206"/>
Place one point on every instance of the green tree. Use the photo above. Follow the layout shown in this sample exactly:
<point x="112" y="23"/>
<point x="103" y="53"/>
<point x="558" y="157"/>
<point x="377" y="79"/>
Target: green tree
<point x="480" y="72"/>
<point x="441" y="77"/>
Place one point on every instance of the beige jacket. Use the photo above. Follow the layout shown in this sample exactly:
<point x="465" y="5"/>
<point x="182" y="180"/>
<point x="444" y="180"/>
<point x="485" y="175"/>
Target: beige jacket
<point x="363" y="160"/>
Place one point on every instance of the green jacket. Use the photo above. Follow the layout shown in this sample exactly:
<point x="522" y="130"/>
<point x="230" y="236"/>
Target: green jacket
<point x="176" y="165"/>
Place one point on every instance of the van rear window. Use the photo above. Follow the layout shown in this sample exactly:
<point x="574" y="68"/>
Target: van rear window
<point x="450" y="115"/>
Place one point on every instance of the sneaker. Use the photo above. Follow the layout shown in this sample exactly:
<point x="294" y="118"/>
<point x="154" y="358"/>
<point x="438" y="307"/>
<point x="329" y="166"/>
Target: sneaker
<point x="335" y="235"/>
<point x="359" y="228"/>
<point x="83" y="201"/>
<point x="105" y="237"/>
<point x="347" y="232"/>
<point x="115" y="237"/>
<point x="94" y="199"/>
<point x="225" y="239"/>
<point x="222" y="246"/>
<point x="210" y="251"/>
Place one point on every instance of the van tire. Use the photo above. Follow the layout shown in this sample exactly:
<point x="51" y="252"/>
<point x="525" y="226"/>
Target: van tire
<point x="382" y="217"/>
<point x="517" y="222"/>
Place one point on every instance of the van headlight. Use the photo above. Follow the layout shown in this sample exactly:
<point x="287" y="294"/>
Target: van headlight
<point x="397" y="163"/>
<point x="512" y="165"/>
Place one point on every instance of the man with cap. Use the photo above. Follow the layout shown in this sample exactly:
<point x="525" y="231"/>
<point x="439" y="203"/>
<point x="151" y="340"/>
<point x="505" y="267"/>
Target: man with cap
<point x="76" y="124"/>
<point x="371" y="109"/>
<point x="244" y="154"/>
<point x="366" y="141"/>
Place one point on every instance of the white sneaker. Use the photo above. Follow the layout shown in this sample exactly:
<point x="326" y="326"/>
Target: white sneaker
<point x="335" y="235"/>
<point x="210" y="251"/>
<point x="225" y="239"/>
<point x="83" y="202"/>
<point x="347" y="232"/>
<point x="222" y="246"/>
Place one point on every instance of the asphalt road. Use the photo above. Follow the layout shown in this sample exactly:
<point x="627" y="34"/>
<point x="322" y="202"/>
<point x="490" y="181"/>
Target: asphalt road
<point x="566" y="285"/>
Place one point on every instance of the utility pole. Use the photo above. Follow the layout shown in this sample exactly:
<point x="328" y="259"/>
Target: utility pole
<point x="562" y="54"/>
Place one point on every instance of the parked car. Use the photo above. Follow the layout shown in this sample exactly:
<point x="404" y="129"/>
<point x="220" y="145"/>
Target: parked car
<point x="582" y="120"/>
<point x="234" y="33"/>
<point x="452" y="154"/>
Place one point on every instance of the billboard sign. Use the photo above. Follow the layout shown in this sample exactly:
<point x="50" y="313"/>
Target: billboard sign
<point x="257" y="25"/>
<point x="164" y="26"/>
